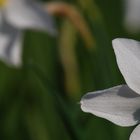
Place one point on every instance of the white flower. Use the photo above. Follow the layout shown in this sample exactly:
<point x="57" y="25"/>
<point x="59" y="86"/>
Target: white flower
<point x="132" y="15"/>
<point x="120" y="104"/>
<point x="15" y="16"/>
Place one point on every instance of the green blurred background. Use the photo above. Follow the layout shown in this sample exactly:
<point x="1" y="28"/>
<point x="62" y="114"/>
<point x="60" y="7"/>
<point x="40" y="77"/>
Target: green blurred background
<point x="40" y="101"/>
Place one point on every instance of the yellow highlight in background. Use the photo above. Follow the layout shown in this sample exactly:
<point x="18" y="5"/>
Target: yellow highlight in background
<point x="2" y="3"/>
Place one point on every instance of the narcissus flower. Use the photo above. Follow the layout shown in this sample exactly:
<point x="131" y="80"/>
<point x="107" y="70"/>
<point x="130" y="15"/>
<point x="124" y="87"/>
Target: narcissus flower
<point x="120" y="104"/>
<point x="15" y="16"/>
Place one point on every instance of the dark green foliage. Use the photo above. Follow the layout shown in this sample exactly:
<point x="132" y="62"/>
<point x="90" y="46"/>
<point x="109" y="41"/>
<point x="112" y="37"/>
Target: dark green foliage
<point x="34" y="102"/>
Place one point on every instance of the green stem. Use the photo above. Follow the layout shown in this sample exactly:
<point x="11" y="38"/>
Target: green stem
<point x="71" y="127"/>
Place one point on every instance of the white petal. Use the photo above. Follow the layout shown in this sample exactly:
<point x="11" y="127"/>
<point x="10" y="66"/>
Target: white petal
<point x="119" y="105"/>
<point x="10" y="45"/>
<point x="128" y="58"/>
<point x="135" y="134"/>
<point x="28" y="14"/>
<point x="132" y="15"/>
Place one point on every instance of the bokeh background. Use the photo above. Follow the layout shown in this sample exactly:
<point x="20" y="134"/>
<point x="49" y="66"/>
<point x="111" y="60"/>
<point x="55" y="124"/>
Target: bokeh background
<point x="40" y="101"/>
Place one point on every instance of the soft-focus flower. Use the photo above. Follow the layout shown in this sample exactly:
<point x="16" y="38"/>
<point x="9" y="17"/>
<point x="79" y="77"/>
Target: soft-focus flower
<point x="15" y="16"/>
<point x="132" y="15"/>
<point x="120" y="104"/>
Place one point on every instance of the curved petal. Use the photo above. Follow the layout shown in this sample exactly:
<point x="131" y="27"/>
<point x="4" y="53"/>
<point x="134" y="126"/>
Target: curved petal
<point x="10" y="45"/>
<point x="135" y="134"/>
<point x="128" y="58"/>
<point x="119" y="105"/>
<point x="29" y="14"/>
<point x="132" y="16"/>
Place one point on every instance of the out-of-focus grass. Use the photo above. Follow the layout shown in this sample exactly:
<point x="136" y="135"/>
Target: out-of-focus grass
<point x="28" y="107"/>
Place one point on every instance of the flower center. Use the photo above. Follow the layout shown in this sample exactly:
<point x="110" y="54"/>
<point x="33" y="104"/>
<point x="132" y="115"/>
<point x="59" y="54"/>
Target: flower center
<point x="2" y="3"/>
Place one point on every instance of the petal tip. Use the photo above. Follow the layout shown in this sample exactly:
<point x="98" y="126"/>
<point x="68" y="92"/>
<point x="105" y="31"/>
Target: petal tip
<point x="82" y="105"/>
<point x="117" y="41"/>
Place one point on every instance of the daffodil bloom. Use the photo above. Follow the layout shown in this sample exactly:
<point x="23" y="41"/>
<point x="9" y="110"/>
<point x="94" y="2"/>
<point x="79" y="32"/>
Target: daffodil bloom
<point x="120" y="104"/>
<point x="132" y="15"/>
<point x="15" y="16"/>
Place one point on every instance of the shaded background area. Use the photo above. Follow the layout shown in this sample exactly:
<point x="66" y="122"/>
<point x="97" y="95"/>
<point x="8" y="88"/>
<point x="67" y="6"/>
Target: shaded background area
<point x="40" y="101"/>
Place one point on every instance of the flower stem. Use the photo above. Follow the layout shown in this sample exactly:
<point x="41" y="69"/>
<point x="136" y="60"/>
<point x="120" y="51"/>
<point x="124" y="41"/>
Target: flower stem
<point x="61" y="107"/>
